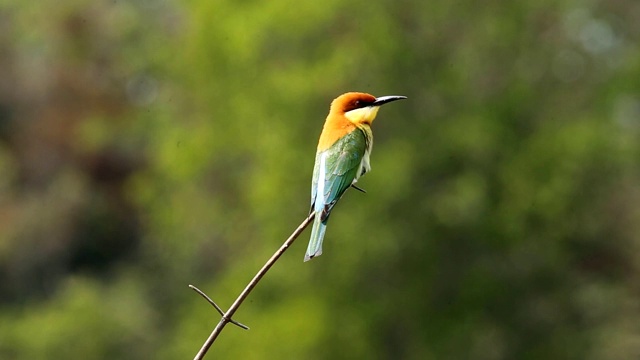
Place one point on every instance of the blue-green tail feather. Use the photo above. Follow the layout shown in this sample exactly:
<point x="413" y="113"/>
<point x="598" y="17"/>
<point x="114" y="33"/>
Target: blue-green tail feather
<point x="317" y="235"/>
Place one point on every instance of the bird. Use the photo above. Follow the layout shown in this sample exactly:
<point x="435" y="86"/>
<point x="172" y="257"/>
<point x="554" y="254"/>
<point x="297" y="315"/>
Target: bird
<point x="342" y="157"/>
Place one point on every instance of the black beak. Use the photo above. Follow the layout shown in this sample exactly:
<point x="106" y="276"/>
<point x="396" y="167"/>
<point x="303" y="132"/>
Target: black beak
<point x="387" y="99"/>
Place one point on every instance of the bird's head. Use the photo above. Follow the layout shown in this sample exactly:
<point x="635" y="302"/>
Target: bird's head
<point x="360" y="108"/>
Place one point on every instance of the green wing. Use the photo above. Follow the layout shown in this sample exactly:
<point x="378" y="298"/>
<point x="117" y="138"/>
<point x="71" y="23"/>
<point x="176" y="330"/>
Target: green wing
<point x="338" y="166"/>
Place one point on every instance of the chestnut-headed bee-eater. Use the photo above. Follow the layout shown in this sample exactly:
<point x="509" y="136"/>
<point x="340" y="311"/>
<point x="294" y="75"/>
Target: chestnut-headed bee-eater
<point x="342" y="156"/>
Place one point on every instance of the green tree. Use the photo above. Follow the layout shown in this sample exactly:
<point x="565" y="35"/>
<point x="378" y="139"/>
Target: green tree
<point x="145" y="146"/>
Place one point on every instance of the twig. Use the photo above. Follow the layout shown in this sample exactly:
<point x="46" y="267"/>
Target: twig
<point x="218" y="309"/>
<point x="226" y="317"/>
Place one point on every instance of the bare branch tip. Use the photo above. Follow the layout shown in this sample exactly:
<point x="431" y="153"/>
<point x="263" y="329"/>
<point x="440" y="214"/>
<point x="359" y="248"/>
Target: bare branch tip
<point x="359" y="188"/>
<point x="240" y="325"/>
<point x="208" y="299"/>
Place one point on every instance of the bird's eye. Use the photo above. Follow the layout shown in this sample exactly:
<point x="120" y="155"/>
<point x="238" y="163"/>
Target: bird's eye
<point x="358" y="103"/>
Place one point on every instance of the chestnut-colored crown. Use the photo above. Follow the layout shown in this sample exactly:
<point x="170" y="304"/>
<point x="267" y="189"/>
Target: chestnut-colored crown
<point x="350" y="101"/>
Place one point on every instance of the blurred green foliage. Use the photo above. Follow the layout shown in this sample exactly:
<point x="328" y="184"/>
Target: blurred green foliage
<point x="147" y="145"/>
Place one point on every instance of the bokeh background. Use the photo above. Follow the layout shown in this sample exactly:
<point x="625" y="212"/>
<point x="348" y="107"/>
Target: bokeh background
<point x="147" y="145"/>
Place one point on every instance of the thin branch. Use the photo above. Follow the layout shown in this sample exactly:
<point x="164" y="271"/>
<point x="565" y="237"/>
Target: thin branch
<point x="226" y="317"/>
<point x="218" y="309"/>
<point x="208" y="299"/>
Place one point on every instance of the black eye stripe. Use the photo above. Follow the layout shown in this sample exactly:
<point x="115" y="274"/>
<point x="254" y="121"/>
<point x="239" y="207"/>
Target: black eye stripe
<point x="357" y="104"/>
<point x="360" y="104"/>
